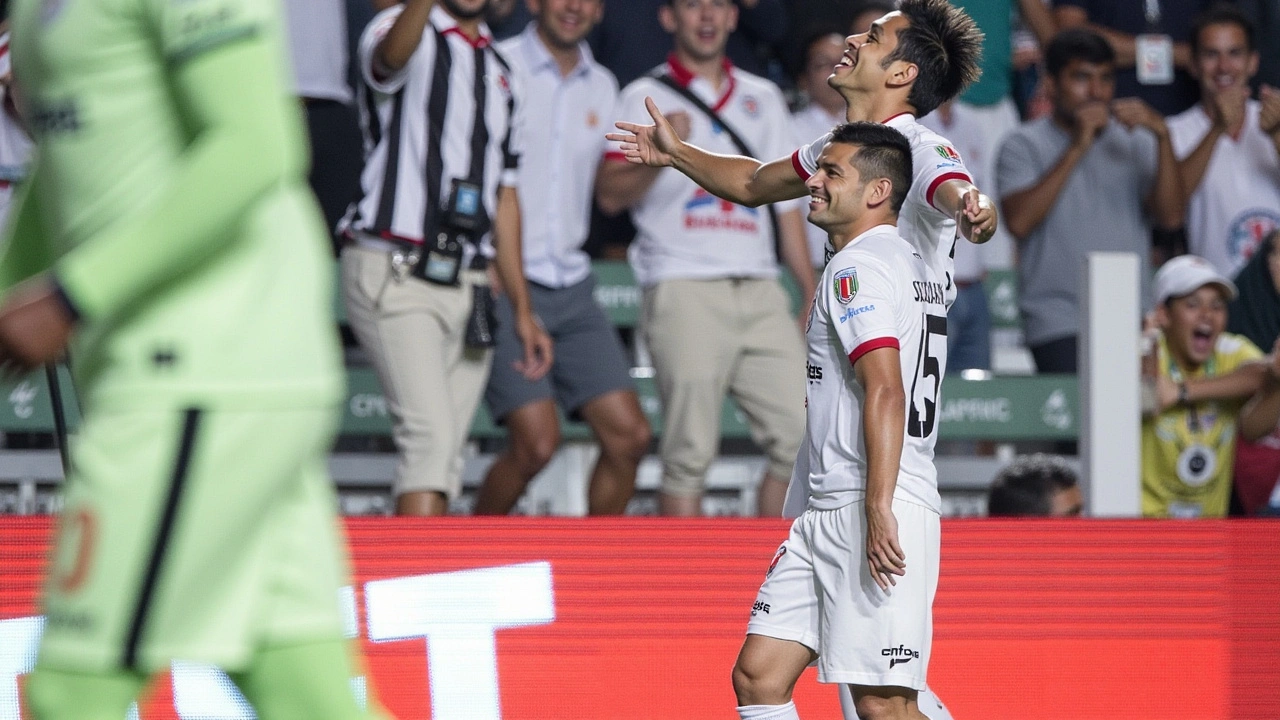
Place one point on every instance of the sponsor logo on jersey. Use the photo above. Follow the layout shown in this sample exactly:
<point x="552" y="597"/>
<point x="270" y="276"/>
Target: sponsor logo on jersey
<point x="759" y="607"/>
<point x="593" y="119"/>
<point x="899" y="655"/>
<point x="846" y="285"/>
<point x="948" y="152"/>
<point x="928" y="292"/>
<point x="751" y="106"/>
<point x="854" y="312"/>
<point x="1247" y="231"/>
<point x="776" y="557"/>
<point x="705" y="211"/>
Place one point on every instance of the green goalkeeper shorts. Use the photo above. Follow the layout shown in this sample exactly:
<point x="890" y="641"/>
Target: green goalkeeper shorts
<point x="199" y="534"/>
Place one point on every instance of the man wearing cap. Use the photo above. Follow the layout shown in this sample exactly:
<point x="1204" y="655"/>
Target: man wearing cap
<point x="1188" y="448"/>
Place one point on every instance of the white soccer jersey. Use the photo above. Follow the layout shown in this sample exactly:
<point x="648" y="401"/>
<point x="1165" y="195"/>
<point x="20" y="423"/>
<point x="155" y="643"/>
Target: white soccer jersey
<point x="1238" y="201"/>
<point x="682" y="231"/>
<point x="877" y="292"/>
<point x="927" y="228"/>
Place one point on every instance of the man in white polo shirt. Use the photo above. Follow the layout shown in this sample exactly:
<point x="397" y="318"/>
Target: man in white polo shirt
<point x="1226" y="145"/>
<point x="572" y="97"/>
<point x="714" y="317"/>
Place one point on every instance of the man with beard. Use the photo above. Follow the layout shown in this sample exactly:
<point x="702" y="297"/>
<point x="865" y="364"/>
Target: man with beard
<point x="439" y="203"/>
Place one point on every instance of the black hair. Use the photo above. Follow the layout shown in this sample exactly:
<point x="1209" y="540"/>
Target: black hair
<point x="944" y="44"/>
<point x="1027" y="485"/>
<point x="1221" y="13"/>
<point x="883" y="152"/>
<point x="1077" y="44"/>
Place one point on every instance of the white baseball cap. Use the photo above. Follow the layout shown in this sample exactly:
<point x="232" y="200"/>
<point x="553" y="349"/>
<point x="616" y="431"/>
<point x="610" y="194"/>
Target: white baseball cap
<point x="1186" y="274"/>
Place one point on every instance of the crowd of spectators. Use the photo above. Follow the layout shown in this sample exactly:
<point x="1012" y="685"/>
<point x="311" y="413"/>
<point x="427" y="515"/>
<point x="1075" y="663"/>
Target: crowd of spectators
<point x="1145" y="127"/>
<point x="1150" y="127"/>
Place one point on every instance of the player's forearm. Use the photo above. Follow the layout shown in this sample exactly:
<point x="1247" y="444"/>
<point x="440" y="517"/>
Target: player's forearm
<point x="1167" y="201"/>
<point x="883" y="428"/>
<point x="737" y="178"/>
<point x="1025" y="210"/>
<point x="26" y="251"/>
<point x="246" y="144"/>
<point x="795" y="254"/>
<point x="620" y="185"/>
<point x="404" y="36"/>
<point x="509" y="251"/>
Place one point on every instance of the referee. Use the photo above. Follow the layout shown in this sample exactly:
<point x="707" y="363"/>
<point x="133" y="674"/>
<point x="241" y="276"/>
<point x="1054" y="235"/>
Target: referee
<point x="439" y="202"/>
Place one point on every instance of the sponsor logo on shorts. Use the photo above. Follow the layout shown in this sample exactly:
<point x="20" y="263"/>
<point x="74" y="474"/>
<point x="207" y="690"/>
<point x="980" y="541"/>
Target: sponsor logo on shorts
<point x="899" y="655"/>
<point x="777" y="556"/>
<point x="759" y="607"/>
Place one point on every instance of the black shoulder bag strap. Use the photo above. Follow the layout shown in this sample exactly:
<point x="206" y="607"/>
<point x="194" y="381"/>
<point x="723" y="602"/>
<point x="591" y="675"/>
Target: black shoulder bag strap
<point x="738" y="142"/>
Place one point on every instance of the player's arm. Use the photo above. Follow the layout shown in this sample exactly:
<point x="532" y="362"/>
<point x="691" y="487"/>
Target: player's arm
<point x="1261" y="415"/>
<point x="245" y="132"/>
<point x="975" y="213"/>
<point x="738" y="179"/>
<point x="879" y="371"/>
<point x="510" y="267"/>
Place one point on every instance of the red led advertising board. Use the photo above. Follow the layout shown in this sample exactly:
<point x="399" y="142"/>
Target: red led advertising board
<point x="640" y="619"/>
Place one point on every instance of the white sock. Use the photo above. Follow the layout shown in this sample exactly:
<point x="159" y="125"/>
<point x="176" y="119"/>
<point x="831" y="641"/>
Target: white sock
<point x="768" y="712"/>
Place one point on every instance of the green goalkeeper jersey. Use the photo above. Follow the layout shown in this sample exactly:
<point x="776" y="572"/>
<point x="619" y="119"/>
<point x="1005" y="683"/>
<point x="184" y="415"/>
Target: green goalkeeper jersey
<point x="168" y="199"/>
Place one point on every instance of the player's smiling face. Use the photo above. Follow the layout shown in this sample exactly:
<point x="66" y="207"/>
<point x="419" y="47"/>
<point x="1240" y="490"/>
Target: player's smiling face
<point x="836" y="189"/>
<point x="1223" y="59"/>
<point x="701" y="27"/>
<point x="1192" y="324"/>
<point x="565" y="23"/>
<point x="861" y="66"/>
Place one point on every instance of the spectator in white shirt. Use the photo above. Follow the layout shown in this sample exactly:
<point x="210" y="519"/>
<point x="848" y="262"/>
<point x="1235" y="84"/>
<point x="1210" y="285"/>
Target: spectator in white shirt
<point x="572" y="97"/>
<point x="1227" y="145"/>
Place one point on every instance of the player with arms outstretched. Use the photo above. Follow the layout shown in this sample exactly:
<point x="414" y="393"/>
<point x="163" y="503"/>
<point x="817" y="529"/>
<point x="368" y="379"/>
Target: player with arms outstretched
<point x="910" y="61"/>
<point x="168" y="232"/>
<point x="853" y="585"/>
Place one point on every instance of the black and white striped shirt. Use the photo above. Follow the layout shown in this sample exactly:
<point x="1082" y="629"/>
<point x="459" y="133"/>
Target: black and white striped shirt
<point x="419" y="126"/>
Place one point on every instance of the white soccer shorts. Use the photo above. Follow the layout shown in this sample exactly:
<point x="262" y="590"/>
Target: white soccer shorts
<point x="819" y="592"/>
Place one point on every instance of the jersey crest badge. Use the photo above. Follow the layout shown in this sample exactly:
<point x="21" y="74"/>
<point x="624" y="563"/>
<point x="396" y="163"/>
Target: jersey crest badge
<point x="846" y="285"/>
<point x="948" y="152"/>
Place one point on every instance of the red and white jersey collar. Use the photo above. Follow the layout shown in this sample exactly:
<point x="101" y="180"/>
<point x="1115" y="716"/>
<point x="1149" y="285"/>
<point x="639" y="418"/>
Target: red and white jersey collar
<point x="447" y="25"/>
<point x="684" y="76"/>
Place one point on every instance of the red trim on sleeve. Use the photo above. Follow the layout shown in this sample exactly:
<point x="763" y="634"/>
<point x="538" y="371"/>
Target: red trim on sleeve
<point x="615" y="156"/>
<point x="799" y="166"/>
<point x="873" y="344"/>
<point x="933" y="186"/>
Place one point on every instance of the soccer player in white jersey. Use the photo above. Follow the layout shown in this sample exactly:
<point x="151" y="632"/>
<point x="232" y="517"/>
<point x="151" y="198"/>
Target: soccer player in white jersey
<point x="853" y="585"/>
<point x="907" y="64"/>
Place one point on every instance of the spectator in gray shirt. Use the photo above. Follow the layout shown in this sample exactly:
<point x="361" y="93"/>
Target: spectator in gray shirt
<point x="1091" y="177"/>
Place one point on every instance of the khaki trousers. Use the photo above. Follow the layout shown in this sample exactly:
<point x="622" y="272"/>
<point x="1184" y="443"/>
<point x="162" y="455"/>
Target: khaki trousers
<point x="709" y="337"/>
<point x="414" y="333"/>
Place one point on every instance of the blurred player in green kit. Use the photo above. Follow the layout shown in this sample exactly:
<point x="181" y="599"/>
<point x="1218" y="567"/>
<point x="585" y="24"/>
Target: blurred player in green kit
<point x="167" y="233"/>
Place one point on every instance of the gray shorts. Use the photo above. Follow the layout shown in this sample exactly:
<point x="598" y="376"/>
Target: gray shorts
<point x="589" y="359"/>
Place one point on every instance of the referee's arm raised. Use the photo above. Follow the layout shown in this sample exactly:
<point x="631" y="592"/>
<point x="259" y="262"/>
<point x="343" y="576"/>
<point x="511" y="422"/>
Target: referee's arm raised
<point x="402" y="39"/>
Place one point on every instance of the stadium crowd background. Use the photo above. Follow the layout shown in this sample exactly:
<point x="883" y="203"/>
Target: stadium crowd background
<point x="794" y="44"/>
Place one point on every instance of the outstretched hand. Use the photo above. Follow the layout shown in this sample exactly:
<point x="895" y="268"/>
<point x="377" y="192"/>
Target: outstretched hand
<point x="653" y="145"/>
